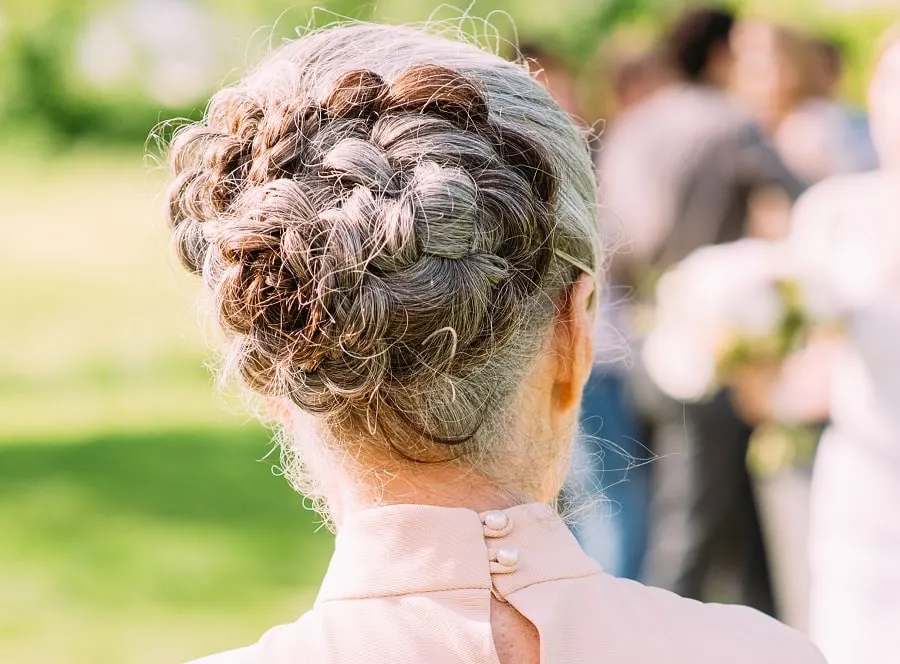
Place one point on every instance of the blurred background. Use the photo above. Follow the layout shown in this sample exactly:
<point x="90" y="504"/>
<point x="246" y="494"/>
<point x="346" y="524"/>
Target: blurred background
<point x="141" y="515"/>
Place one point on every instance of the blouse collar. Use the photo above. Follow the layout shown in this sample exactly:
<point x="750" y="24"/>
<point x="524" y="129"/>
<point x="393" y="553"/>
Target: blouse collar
<point x="415" y="549"/>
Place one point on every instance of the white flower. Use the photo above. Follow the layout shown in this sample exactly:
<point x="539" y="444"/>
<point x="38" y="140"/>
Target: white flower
<point x="715" y="296"/>
<point x="681" y="369"/>
<point x="755" y="311"/>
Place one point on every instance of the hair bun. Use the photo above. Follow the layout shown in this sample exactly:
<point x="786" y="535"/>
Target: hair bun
<point x="368" y="247"/>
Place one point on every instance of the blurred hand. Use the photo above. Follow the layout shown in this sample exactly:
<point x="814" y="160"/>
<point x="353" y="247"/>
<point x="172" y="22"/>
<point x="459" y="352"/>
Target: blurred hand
<point x="752" y="390"/>
<point x="769" y="216"/>
<point x="796" y="390"/>
<point x="803" y="390"/>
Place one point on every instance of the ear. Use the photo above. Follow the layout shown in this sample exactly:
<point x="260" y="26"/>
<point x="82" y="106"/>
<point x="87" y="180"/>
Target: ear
<point x="574" y="350"/>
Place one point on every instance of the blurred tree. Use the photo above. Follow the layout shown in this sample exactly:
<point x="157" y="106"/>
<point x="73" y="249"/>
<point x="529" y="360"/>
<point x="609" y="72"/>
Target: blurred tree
<point x="42" y="92"/>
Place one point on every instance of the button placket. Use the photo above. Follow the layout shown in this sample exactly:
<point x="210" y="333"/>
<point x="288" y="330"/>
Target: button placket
<point x="503" y="559"/>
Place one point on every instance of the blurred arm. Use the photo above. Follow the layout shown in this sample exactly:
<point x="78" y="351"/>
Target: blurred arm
<point x="759" y="166"/>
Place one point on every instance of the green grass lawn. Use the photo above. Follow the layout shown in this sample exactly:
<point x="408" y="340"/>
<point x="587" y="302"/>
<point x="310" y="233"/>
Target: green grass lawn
<point x="139" y="520"/>
<point x="149" y="547"/>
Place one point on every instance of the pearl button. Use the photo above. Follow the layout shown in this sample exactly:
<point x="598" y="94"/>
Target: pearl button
<point x="508" y="556"/>
<point x="496" y="520"/>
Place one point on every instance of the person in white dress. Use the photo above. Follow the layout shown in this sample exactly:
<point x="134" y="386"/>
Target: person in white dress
<point x="846" y="239"/>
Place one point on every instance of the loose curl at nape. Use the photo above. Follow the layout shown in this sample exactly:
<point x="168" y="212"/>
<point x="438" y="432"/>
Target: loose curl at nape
<point x="374" y="247"/>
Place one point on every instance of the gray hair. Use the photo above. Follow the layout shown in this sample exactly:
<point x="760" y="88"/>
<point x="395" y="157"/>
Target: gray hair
<point x="387" y="222"/>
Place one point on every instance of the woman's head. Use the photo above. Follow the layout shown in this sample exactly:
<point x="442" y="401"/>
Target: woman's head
<point x="391" y="226"/>
<point x="884" y="102"/>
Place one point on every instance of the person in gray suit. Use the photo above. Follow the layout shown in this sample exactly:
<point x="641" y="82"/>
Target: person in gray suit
<point x="679" y="172"/>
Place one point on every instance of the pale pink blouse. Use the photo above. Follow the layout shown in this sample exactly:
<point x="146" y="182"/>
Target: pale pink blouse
<point x="411" y="584"/>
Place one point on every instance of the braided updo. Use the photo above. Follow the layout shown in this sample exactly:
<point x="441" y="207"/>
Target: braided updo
<point x="386" y="221"/>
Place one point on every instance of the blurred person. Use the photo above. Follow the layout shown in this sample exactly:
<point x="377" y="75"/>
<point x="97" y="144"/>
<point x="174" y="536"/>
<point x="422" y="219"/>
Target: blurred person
<point x="611" y="473"/>
<point x="854" y="147"/>
<point x="677" y="172"/>
<point x="791" y="82"/>
<point x="796" y="79"/>
<point x="398" y="236"/>
<point x="846" y="243"/>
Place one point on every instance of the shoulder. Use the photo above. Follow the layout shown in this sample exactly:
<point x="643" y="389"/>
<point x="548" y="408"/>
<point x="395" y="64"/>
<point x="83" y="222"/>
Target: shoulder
<point x="648" y="113"/>
<point x="708" y="633"/>
<point x="680" y="118"/>
<point x="293" y="643"/>
<point x="635" y="139"/>
<point x="839" y="187"/>
<point x="830" y="198"/>
<point x="755" y="637"/>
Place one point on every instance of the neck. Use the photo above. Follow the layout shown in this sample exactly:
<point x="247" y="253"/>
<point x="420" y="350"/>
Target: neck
<point x="356" y="475"/>
<point x="448" y="484"/>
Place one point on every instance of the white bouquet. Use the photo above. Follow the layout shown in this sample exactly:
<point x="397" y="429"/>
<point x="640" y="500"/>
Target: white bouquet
<point x="723" y="308"/>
